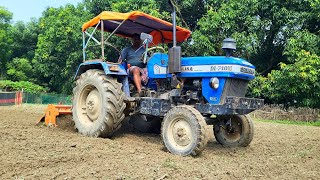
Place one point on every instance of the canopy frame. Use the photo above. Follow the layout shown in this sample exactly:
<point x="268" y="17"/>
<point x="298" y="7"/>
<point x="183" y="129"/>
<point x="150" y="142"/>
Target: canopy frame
<point x="85" y="42"/>
<point x="102" y="42"/>
<point x="156" y="27"/>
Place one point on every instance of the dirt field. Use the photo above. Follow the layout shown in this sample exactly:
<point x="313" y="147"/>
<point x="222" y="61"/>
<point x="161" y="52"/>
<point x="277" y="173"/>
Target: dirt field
<point x="37" y="152"/>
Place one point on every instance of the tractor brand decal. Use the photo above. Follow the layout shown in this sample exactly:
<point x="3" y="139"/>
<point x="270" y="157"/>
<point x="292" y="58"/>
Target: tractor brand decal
<point x="207" y="69"/>
<point x="218" y="68"/>
<point x="247" y="70"/>
<point x="213" y="98"/>
<point x="159" y="69"/>
<point x="221" y="68"/>
<point x="187" y="68"/>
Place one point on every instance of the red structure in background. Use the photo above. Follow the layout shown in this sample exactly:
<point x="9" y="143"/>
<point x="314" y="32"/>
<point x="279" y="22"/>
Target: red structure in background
<point x="18" y="99"/>
<point x="11" y="98"/>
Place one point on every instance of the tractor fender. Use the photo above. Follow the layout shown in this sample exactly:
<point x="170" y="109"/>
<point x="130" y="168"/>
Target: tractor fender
<point x="108" y="68"/>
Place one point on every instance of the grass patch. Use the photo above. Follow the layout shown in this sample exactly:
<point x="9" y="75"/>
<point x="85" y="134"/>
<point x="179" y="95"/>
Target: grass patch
<point x="316" y="123"/>
<point x="169" y="163"/>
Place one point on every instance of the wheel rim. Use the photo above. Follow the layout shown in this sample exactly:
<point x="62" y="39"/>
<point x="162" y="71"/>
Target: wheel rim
<point x="180" y="133"/>
<point x="93" y="105"/>
<point x="231" y="132"/>
<point x="89" y="105"/>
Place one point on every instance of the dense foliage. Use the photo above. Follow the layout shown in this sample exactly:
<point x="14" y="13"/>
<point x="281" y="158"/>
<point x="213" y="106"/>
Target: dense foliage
<point x="21" y="86"/>
<point x="281" y="38"/>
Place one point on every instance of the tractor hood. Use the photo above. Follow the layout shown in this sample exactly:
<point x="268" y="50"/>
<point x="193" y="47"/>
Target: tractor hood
<point x="208" y="66"/>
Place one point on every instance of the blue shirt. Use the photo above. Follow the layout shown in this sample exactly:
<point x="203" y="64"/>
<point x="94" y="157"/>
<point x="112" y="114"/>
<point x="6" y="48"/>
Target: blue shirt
<point x="133" y="57"/>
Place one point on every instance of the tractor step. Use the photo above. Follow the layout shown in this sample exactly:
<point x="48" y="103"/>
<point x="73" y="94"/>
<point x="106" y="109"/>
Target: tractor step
<point x="51" y="113"/>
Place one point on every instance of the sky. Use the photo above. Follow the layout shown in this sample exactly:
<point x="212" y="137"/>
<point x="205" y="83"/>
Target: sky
<point x="23" y="10"/>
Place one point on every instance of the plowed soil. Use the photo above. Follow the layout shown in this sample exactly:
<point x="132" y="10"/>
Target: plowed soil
<point x="37" y="152"/>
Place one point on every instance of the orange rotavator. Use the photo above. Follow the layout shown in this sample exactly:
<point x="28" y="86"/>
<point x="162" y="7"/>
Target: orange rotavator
<point x="52" y="112"/>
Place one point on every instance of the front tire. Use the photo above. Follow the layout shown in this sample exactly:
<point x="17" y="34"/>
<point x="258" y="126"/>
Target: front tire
<point x="234" y="130"/>
<point x="184" y="131"/>
<point x="98" y="104"/>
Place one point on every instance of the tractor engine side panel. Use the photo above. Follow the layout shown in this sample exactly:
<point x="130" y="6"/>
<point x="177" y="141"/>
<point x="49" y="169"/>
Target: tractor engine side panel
<point x="213" y="96"/>
<point x="158" y="66"/>
<point x="227" y="87"/>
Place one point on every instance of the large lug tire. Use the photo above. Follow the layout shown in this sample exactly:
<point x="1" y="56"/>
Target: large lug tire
<point x="183" y="131"/>
<point x="98" y="104"/>
<point x="145" y="124"/>
<point x="234" y="130"/>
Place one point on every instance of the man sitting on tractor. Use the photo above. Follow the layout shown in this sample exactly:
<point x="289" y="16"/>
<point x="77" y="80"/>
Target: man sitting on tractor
<point x="133" y="56"/>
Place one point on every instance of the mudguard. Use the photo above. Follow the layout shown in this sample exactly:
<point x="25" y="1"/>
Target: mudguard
<point x="108" y="68"/>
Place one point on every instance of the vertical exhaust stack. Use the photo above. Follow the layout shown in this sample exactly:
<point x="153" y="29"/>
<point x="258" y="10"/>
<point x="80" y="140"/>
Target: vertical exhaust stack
<point x="228" y="46"/>
<point x="175" y="51"/>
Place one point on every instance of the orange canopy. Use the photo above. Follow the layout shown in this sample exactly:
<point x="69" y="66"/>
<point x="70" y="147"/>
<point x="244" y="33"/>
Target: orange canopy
<point x="136" y="22"/>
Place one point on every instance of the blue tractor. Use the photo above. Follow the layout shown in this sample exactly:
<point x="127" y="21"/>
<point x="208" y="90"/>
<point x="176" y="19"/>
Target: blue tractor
<point x="186" y="98"/>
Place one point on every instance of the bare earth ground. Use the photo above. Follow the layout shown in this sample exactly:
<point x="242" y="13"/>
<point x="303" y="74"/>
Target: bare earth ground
<point x="37" y="152"/>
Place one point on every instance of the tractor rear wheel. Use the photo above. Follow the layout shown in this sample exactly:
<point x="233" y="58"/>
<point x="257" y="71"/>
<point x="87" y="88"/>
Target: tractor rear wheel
<point x="234" y="130"/>
<point x="184" y="131"/>
<point x="98" y="104"/>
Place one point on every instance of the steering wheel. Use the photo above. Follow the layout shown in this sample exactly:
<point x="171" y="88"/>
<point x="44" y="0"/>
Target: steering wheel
<point x="152" y="50"/>
<point x="156" y="47"/>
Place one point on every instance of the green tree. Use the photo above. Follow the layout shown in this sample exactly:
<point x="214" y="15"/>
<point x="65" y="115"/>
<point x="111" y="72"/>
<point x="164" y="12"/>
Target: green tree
<point x="189" y="11"/>
<point x="298" y="83"/>
<point x="59" y="49"/>
<point x="148" y="6"/>
<point x="5" y="40"/>
<point x="95" y="7"/>
<point x="19" y="69"/>
<point x="302" y="40"/>
<point x="295" y="82"/>
<point x="261" y="28"/>
<point x="25" y="38"/>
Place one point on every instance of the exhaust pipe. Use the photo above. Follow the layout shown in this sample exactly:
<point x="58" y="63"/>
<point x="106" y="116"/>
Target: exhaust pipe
<point x="175" y="51"/>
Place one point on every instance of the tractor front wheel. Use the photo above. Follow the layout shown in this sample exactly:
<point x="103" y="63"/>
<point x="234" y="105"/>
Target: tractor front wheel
<point x="184" y="131"/>
<point x="98" y="104"/>
<point x="234" y="130"/>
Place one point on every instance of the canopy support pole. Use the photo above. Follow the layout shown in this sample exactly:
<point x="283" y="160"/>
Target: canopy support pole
<point x="91" y="35"/>
<point x="84" y="46"/>
<point x="102" y="40"/>
<point x="93" y="38"/>
<point x="114" y="30"/>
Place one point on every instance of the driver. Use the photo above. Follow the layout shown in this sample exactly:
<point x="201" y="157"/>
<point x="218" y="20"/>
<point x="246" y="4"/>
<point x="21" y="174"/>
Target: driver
<point x="133" y="56"/>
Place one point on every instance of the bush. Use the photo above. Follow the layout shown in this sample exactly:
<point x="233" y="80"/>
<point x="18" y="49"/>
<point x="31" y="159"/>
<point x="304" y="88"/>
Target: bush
<point x="21" y="85"/>
<point x="295" y="84"/>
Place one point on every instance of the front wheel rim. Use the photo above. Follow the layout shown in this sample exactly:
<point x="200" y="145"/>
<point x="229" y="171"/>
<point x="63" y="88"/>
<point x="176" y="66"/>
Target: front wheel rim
<point x="180" y="134"/>
<point x="231" y="132"/>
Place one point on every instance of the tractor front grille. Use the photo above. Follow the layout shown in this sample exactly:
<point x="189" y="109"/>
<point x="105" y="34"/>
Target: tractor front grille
<point x="234" y="87"/>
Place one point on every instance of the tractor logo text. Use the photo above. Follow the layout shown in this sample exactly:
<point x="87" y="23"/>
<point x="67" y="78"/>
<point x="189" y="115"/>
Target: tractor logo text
<point x="221" y="68"/>
<point x="187" y="68"/>
<point x="247" y="70"/>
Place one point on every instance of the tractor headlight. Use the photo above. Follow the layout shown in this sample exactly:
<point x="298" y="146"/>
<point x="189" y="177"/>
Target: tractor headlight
<point x="214" y="83"/>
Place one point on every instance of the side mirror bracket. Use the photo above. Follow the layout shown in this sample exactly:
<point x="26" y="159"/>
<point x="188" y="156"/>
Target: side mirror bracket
<point x="146" y="38"/>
